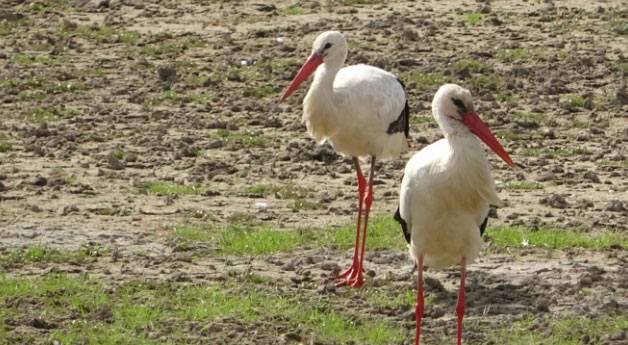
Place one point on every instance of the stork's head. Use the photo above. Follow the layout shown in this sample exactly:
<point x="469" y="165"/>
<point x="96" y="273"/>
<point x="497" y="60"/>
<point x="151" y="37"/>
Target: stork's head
<point x="330" y="47"/>
<point x="453" y="109"/>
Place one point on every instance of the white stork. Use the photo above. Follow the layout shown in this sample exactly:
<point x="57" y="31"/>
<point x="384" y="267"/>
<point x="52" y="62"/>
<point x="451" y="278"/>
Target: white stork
<point x="446" y="192"/>
<point x="361" y="110"/>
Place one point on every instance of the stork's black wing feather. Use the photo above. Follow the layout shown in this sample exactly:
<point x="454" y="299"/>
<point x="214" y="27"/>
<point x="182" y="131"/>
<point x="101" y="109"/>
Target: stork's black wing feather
<point x="402" y="123"/>
<point x="483" y="225"/>
<point x="404" y="225"/>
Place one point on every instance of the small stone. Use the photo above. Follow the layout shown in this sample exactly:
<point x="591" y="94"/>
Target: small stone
<point x="216" y="144"/>
<point x="548" y="133"/>
<point x="40" y="181"/>
<point x="620" y="335"/>
<point x="114" y="163"/>
<point x="590" y="175"/>
<point x="40" y="324"/>
<point x="69" y="209"/>
<point x="103" y="3"/>
<point x="555" y="201"/>
<point x="615" y="206"/>
<point x="621" y="96"/>
<point x="34" y="208"/>
<point x="167" y="73"/>
<point x="288" y="266"/>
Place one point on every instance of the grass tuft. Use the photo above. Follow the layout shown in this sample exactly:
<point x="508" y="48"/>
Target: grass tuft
<point x="518" y="237"/>
<point x="525" y="185"/>
<point x="292" y="11"/>
<point x="38" y="115"/>
<point x="576" y="101"/>
<point x="165" y="188"/>
<point x="511" y="55"/>
<point x="246" y="138"/>
<point x="569" y="330"/>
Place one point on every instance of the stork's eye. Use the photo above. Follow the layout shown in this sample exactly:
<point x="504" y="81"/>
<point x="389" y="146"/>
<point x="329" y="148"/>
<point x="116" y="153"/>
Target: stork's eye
<point x="327" y="46"/>
<point x="460" y="105"/>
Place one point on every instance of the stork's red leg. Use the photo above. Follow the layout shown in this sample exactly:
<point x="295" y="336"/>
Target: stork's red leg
<point x="419" y="302"/>
<point x="460" y="305"/>
<point x="368" y="200"/>
<point x="352" y="272"/>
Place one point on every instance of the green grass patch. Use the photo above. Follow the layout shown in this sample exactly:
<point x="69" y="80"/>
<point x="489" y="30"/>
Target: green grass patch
<point x="518" y="237"/>
<point x="530" y="152"/>
<point x="286" y="191"/>
<point x="619" y="26"/>
<point x="568" y="24"/>
<point x="532" y="117"/>
<point x="292" y="11"/>
<point x="505" y="97"/>
<point x="507" y="135"/>
<point x="5" y="28"/>
<point x="250" y="238"/>
<point x="393" y="298"/>
<point x="417" y="120"/>
<point x="511" y="55"/>
<point x="30" y="60"/>
<point x="64" y="86"/>
<point x="166" y="188"/>
<point x="576" y="101"/>
<point x="472" y="65"/>
<point x="246" y="138"/>
<point x="259" y="92"/>
<point x="569" y="152"/>
<point x="472" y="18"/>
<point x="38" y="115"/>
<point x="524" y="185"/>
<point x="482" y="80"/>
<point x="22" y="83"/>
<point x="45" y="254"/>
<point x="359" y="2"/>
<point x="575" y="123"/>
<point x="425" y="80"/>
<point x="569" y="330"/>
<point x="173" y="46"/>
<point x="92" y="312"/>
<point x="109" y="211"/>
<point x="620" y="67"/>
<point x="100" y="34"/>
<point x="63" y="175"/>
<point x="612" y="163"/>
<point x="259" y="71"/>
<point x="5" y="145"/>
<point x="175" y="97"/>
<point x="48" y="5"/>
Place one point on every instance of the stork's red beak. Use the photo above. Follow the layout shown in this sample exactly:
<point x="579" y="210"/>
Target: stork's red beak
<point x="477" y="127"/>
<point x="308" y="68"/>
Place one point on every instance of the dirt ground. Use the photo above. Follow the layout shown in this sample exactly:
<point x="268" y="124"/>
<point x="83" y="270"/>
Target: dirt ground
<point x="161" y="98"/>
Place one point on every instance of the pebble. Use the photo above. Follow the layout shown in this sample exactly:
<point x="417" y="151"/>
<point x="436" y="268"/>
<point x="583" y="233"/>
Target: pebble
<point x="288" y="266"/>
<point x="555" y="201"/>
<point x="114" y="163"/>
<point x="40" y="181"/>
<point x="615" y="206"/>
<point x="591" y="176"/>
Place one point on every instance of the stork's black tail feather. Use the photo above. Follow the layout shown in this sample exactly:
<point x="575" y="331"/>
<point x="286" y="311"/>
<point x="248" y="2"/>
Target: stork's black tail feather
<point x="404" y="225"/>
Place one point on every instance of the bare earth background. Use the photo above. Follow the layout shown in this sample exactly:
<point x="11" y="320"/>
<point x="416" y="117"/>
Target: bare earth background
<point x="186" y="92"/>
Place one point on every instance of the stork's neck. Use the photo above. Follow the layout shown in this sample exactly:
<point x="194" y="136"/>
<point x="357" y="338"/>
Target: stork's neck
<point x="325" y="76"/>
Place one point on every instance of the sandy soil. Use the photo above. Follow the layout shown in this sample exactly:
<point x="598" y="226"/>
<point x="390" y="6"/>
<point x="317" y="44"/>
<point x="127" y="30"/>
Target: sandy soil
<point x="60" y="185"/>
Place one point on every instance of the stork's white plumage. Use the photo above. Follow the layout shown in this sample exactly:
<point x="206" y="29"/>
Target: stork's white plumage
<point x="446" y="192"/>
<point x="361" y="110"/>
